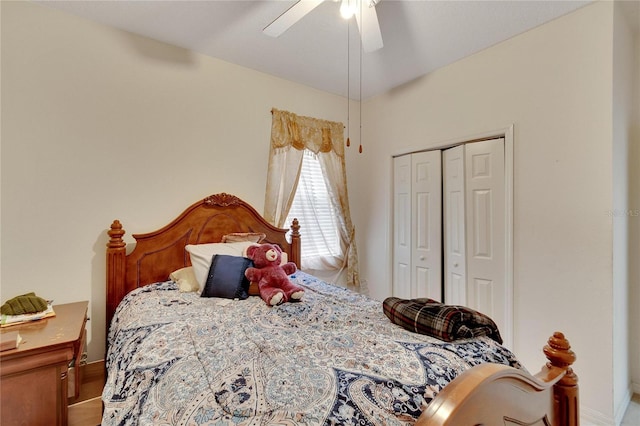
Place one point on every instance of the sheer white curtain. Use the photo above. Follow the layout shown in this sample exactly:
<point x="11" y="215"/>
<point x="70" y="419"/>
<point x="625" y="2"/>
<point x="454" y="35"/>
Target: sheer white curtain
<point x="290" y="136"/>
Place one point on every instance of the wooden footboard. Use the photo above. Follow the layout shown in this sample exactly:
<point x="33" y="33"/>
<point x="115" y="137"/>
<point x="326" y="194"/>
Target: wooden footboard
<point x="494" y="394"/>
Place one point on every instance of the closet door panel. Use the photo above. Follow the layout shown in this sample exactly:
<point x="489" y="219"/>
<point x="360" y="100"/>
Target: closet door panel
<point x="484" y="294"/>
<point x="485" y="207"/>
<point x="426" y="218"/>
<point x="402" y="227"/>
<point x="455" y="283"/>
<point x="483" y="217"/>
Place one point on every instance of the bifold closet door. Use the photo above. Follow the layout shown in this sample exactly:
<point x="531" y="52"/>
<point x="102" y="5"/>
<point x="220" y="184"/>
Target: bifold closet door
<point x="455" y="262"/>
<point x="486" y="236"/>
<point x="450" y="219"/>
<point x="417" y="270"/>
<point x="474" y="230"/>
<point x="402" y="227"/>
<point x="426" y="221"/>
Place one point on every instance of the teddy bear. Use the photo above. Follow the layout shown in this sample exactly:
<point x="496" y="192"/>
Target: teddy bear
<point x="272" y="277"/>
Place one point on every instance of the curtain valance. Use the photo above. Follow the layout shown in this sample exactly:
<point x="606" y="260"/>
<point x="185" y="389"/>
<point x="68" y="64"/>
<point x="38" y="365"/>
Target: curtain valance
<point x="299" y="132"/>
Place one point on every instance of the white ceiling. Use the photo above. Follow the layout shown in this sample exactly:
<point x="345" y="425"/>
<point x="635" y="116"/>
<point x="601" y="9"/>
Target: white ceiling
<point x="419" y="35"/>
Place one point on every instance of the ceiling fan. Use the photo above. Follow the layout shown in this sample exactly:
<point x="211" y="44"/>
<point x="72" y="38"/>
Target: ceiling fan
<point x="363" y="10"/>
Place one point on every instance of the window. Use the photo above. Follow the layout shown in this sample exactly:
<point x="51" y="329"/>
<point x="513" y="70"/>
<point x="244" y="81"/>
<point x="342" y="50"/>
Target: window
<point x="320" y="200"/>
<point x="313" y="207"/>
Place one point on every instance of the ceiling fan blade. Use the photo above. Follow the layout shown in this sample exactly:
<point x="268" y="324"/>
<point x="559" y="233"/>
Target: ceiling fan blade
<point x="290" y="16"/>
<point x="369" y="27"/>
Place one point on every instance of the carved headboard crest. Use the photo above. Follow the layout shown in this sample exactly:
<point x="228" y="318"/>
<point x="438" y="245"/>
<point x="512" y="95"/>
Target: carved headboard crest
<point x="223" y="199"/>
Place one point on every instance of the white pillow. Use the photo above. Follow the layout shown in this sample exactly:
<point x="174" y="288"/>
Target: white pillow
<point x="186" y="279"/>
<point x="201" y="255"/>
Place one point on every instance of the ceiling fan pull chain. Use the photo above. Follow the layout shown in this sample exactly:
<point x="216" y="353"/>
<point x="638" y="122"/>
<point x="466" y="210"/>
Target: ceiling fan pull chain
<point x="360" y="88"/>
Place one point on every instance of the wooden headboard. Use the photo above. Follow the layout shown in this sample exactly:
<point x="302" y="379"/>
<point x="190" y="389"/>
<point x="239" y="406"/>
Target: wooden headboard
<point x="157" y="254"/>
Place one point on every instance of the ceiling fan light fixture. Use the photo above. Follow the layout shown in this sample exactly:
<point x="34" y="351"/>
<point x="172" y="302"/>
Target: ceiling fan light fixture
<point x="348" y="8"/>
<point x="366" y="18"/>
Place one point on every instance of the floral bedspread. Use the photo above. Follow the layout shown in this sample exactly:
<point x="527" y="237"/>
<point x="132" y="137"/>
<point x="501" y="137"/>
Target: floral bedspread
<point x="333" y="359"/>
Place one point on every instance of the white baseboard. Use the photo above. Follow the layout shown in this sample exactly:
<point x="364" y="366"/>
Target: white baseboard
<point x="624" y="404"/>
<point x="589" y="417"/>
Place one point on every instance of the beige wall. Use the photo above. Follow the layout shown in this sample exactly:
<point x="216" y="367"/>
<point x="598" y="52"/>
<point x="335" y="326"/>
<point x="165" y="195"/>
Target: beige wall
<point x="99" y="124"/>
<point x="554" y="84"/>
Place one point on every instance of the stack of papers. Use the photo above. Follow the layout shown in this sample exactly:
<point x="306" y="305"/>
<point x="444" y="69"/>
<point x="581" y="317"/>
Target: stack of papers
<point x="8" y="320"/>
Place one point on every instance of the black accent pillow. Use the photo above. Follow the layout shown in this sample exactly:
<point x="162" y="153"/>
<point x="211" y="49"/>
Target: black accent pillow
<point x="226" y="277"/>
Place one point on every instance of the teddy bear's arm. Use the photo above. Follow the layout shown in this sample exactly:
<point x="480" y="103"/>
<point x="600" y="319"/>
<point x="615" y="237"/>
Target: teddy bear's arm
<point x="289" y="268"/>
<point x="253" y="274"/>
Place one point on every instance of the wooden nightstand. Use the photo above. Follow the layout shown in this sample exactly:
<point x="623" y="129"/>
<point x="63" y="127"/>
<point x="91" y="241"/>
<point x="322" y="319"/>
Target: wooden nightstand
<point x="33" y="377"/>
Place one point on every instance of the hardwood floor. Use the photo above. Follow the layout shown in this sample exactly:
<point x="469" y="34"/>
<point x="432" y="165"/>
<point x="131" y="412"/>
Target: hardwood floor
<point x="86" y="410"/>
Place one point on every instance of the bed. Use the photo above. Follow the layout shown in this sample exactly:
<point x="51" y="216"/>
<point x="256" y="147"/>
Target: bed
<point x="174" y="357"/>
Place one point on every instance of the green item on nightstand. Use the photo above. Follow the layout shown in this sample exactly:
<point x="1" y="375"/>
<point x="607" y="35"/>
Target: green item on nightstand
<point x="25" y="304"/>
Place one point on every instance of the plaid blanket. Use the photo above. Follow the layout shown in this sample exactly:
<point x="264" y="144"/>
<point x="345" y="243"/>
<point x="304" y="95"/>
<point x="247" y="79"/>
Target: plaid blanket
<point x="444" y="322"/>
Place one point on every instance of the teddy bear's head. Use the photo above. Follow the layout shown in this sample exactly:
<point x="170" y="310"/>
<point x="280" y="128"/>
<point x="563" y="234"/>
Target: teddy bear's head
<point x="264" y="255"/>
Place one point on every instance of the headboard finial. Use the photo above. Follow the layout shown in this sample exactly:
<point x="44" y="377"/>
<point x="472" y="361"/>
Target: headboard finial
<point x="115" y="235"/>
<point x="295" y="227"/>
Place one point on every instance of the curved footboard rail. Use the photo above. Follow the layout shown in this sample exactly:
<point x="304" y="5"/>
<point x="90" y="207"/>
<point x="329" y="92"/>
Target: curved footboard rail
<point x="495" y="394"/>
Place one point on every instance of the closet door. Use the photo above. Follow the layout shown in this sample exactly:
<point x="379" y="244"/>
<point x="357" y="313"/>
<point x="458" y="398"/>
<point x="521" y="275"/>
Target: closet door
<point x="417" y="241"/>
<point x="426" y="220"/>
<point x="455" y="263"/>
<point x="402" y="227"/>
<point x="485" y="208"/>
<point x="451" y="228"/>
